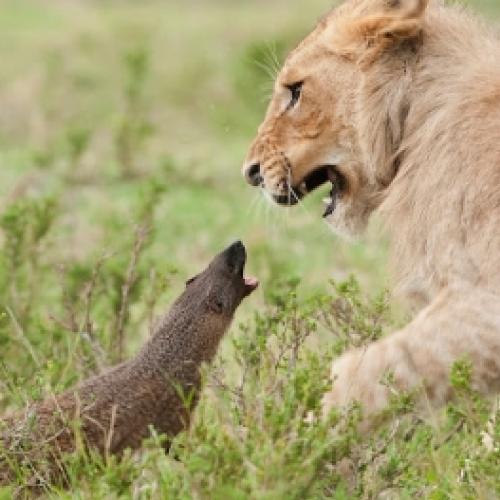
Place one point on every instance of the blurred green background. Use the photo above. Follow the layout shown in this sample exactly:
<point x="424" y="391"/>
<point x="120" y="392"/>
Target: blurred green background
<point x="99" y="97"/>
<point x="207" y="73"/>
<point x="104" y="102"/>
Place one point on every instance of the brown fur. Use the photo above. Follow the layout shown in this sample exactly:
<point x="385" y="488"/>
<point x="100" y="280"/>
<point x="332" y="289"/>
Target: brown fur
<point x="403" y="97"/>
<point x="158" y="388"/>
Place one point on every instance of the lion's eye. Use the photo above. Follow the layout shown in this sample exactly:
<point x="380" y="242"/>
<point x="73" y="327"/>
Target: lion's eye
<point x="295" y="90"/>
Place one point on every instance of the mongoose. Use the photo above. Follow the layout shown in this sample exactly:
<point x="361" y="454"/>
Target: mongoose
<point x="159" y="387"/>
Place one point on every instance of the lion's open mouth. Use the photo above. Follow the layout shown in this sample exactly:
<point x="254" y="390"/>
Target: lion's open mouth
<point x="315" y="179"/>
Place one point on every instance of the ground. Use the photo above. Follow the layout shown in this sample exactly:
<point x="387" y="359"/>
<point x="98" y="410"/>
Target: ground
<point x="123" y="129"/>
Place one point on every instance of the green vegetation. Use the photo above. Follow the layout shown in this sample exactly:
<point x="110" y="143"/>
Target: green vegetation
<point x="123" y="128"/>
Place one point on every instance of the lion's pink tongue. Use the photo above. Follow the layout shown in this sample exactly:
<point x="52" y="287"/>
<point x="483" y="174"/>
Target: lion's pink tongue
<point x="251" y="284"/>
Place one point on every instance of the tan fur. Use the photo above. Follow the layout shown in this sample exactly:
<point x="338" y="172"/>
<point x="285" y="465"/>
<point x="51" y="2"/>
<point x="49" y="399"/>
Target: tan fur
<point x="404" y="97"/>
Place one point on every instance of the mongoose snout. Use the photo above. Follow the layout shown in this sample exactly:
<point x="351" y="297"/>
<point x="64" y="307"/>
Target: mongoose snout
<point x="158" y="388"/>
<point x="223" y="284"/>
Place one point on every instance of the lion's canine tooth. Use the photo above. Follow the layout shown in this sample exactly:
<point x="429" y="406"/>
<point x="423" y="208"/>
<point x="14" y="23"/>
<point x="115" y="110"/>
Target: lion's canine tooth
<point x="327" y="201"/>
<point x="303" y="188"/>
<point x="329" y="210"/>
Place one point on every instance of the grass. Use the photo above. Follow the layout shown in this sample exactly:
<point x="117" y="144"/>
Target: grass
<point x="125" y="115"/>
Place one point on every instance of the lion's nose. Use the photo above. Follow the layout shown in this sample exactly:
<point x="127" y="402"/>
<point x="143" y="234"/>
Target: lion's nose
<point x="253" y="175"/>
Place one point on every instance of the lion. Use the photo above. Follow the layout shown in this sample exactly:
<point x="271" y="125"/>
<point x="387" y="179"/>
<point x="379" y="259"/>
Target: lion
<point x="395" y="104"/>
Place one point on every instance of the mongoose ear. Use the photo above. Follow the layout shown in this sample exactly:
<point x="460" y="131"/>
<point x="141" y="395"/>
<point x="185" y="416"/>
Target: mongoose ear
<point x="190" y="280"/>
<point x="393" y="23"/>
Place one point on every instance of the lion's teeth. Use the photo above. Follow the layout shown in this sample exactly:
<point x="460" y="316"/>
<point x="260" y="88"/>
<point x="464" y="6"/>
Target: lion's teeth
<point x="327" y="201"/>
<point x="328" y="211"/>
<point x="303" y="188"/>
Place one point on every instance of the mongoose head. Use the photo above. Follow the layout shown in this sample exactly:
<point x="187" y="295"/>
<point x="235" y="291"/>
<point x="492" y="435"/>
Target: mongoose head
<point x="222" y="286"/>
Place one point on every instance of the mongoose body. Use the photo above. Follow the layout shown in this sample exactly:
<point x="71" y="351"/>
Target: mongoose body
<point x="157" y="388"/>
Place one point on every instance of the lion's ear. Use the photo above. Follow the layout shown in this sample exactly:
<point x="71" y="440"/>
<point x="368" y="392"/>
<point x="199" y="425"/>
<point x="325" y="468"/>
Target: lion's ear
<point x="390" y="24"/>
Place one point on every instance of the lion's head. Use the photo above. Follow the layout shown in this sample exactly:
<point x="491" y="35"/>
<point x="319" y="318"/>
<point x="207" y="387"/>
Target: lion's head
<point x="338" y="109"/>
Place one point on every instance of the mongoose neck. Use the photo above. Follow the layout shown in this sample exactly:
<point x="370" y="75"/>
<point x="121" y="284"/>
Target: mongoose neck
<point x="184" y="337"/>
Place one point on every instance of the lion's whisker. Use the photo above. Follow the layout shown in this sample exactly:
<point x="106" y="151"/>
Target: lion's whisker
<point x="274" y="60"/>
<point x="263" y="205"/>
<point x="254" y="203"/>
<point x="304" y="208"/>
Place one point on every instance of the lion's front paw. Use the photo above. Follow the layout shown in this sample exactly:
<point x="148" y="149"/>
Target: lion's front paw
<point x="356" y="377"/>
<point x="342" y="374"/>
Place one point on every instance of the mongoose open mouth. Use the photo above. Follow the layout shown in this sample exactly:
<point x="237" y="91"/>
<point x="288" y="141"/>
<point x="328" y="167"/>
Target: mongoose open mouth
<point x="251" y="283"/>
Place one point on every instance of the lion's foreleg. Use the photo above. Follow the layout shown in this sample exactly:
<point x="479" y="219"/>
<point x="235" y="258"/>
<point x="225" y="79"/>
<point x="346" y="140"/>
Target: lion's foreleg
<point x="462" y="323"/>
